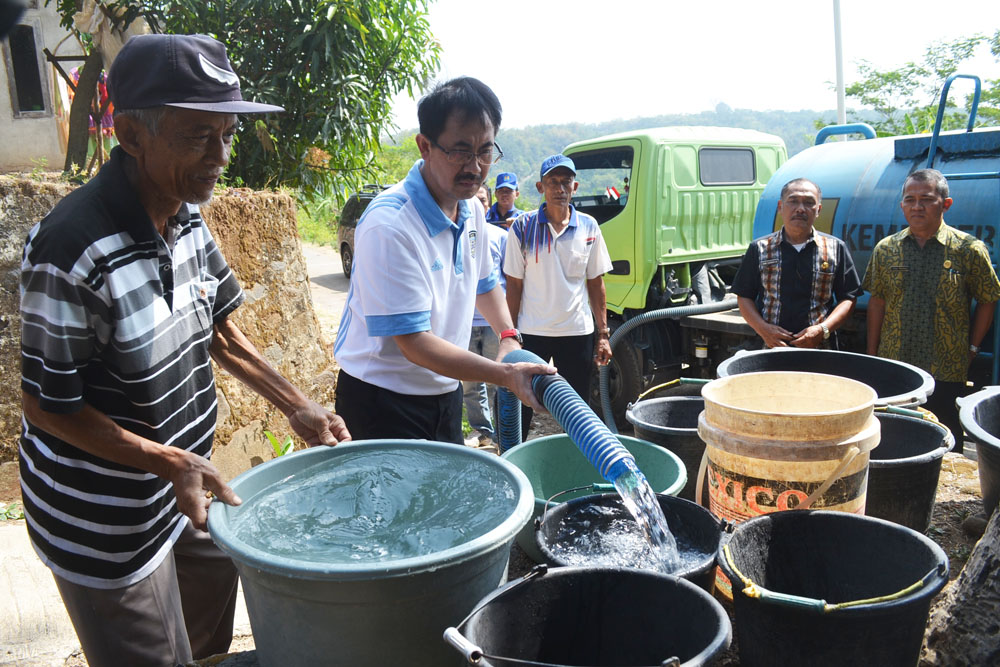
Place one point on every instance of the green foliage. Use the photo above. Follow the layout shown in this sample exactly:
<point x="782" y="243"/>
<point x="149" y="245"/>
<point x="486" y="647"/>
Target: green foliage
<point x="318" y="224"/>
<point x="395" y="160"/>
<point x="41" y="165"/>
<point x="905" y="99"/>
<point x="11" y="512"/>
<point x="334" y="65"/>
<point x="280" y="449"/>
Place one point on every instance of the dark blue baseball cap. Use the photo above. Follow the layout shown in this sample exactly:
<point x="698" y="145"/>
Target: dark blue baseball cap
<point x="554" y="161"/>
<point x="506" y="180"/>
<point x="186" y="71"/>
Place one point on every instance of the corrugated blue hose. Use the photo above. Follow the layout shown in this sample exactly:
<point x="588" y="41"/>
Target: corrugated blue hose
<point x="508" y="418"/>
<point x="581" y="424"/>
<point x="639" y="320"/>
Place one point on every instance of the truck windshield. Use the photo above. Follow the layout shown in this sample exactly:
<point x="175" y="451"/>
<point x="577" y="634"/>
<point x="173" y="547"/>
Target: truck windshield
<point x="604" y="177"/>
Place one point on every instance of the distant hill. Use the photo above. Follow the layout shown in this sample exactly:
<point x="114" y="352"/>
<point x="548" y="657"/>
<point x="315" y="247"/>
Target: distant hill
<point x="525" y="148"/>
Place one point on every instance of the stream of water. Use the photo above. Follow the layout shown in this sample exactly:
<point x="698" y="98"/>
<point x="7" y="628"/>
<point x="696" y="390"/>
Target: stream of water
<point x="640" y="501"/>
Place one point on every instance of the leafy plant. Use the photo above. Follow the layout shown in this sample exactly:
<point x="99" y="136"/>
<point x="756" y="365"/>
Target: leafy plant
<point x="905" y="98"/>
<point x="280" y="449"/>
<point x="38" y="170"/>
<point x="961" y="552"/>
<point x="11" y="512"/>
<point x="334" y="65"/>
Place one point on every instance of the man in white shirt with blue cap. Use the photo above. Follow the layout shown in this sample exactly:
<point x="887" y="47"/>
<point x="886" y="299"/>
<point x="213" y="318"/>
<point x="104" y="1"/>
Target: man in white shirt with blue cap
<point x="555" y="262"/>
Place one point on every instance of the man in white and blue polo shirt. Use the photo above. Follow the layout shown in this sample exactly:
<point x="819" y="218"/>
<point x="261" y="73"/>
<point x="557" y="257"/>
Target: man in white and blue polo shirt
<point x="506" y="192"/>
<point x="421" y="265"/>
<point x="125" y="301"/>
<point x="555" y="262"/>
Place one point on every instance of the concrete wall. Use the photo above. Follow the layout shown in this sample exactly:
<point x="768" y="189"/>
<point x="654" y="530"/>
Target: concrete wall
<point x="258" y="235"/>
<point x="28" y="142"/>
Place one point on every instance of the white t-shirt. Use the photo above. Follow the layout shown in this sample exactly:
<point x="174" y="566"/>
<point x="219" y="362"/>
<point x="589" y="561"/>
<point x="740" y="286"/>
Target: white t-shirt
<point x="414" y="270"/>
<point x="497" y="240"/>
<point x="555" y="270"/>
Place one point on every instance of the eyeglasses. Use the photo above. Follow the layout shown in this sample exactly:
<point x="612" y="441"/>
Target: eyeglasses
<point x="484" y="157"/>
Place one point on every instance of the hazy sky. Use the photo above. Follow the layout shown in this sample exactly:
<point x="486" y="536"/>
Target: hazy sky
<point x="556" y="61"/>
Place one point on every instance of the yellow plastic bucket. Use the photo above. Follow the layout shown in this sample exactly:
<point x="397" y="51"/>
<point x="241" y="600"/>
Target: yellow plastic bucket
<point x="781" y="440"/>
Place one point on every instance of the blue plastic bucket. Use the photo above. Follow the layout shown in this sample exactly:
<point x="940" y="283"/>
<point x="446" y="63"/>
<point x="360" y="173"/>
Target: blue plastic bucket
<point x="369" y="612"/>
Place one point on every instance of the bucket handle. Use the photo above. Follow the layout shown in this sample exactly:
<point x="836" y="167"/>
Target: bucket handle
<point x="753" y="590"/>
<point x="702" y="472"/>
<point x="475" y="654"/>
<point x="670" y="383"/>
<point x="597" y="487"/>
<point x="849" y="457"/>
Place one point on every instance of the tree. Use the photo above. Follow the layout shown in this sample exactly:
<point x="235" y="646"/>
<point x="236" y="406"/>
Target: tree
<point x="906" y="99"/>
<point x="333" y="64"/>
<point x="395" y="160"/>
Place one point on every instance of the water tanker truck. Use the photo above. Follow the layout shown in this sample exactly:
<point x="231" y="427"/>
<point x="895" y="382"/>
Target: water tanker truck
<point x="676" y="207"/>
<point x="862" y="185"/>
<point x="696" y="197"/>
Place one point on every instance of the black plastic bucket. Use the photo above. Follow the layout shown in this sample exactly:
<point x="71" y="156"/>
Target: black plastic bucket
<point x="696" y="530"/>
<point x="672" y="423"/>
<point x="816" y="556"/>
<point x="572" y="616"/>
<point x="980" y="417"/>
<point x="895" y="382"/>
<point x="904" y="470"/>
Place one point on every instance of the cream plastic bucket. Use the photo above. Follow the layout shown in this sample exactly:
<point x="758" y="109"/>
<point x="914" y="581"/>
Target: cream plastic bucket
<point x="784" y="440"/>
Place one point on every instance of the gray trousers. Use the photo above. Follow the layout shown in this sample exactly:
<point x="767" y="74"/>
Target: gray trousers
<point x="182" y="611"/>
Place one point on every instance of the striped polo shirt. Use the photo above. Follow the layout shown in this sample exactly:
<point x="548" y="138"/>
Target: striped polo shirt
<point x="119" y="318"/>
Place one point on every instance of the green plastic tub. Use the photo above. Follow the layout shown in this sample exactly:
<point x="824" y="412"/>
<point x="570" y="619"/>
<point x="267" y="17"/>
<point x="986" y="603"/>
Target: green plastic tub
<point x="391" y="611"/>
<point x="554" y="464"/>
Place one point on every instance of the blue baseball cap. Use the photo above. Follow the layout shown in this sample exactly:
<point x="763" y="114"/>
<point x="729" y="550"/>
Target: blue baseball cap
<point x="506" y="180"/>
<point x="554" y="161"/>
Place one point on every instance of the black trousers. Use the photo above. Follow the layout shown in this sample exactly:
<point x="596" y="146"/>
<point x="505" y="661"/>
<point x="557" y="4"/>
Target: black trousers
<point x="372" y="412"/>
<point x="572" y="355"/>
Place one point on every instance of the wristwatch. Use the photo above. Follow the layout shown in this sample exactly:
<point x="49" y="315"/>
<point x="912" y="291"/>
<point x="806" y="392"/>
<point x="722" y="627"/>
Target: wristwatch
<point x="512" y="333"/>
<point x="604" y="333"/>
<point x="826" y="331"/>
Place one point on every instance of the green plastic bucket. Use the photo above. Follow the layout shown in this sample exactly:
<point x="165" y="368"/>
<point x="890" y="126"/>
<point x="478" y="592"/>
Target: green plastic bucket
<point x="370" y="612"/>
<point x="554" y="464"/>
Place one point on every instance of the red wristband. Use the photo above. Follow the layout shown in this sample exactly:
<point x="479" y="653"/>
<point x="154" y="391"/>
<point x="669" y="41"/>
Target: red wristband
<point x="511" y="333"/>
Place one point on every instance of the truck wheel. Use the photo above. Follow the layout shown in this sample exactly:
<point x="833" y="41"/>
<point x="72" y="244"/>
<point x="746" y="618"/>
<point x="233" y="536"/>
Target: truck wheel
<point x="624" y="382"/>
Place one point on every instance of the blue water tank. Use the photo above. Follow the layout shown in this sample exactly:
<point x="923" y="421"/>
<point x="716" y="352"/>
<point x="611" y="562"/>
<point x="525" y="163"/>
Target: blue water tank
<point x="862" y="186"/>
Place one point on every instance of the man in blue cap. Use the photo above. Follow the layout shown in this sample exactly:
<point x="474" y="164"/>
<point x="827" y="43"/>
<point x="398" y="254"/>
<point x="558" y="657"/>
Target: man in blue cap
<point x="125" y="302"/>
<point x="555" y="261"/>
<point x="506" y="193"/>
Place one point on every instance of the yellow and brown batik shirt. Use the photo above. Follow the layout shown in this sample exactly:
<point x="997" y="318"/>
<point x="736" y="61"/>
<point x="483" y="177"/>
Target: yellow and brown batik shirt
<point x="928" y="293"/>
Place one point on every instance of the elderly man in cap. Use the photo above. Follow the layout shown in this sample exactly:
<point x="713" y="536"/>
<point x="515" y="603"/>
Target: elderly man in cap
<point x="125" y="300"/>
<point x="506" y="193"/>
<point x="555" y="262"/>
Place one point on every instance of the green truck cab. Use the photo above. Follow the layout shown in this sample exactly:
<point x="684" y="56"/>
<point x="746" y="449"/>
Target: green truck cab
<point x="676" y="207"/>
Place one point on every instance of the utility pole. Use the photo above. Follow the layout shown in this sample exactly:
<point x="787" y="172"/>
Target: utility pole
<point x="839" y="50"/>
